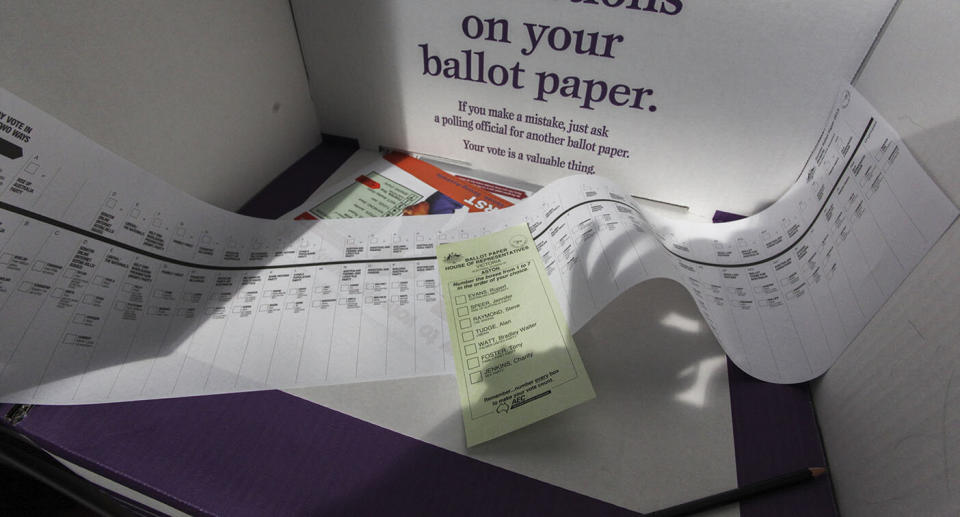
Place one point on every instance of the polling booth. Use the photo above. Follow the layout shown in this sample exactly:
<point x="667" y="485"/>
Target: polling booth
<point x="673" y="248"/>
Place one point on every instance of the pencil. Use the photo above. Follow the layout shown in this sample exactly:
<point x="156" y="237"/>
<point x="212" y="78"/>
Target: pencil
<point x="731" y="496"/>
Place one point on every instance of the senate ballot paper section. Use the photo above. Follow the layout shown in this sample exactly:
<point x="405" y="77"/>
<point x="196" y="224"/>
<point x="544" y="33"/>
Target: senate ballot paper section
<point x="115" y="286"/>
<point x="515" y="358"/>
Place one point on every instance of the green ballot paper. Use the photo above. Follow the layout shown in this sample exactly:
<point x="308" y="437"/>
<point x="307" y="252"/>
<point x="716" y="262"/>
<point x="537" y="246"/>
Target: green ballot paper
<point x="515" y="356"/>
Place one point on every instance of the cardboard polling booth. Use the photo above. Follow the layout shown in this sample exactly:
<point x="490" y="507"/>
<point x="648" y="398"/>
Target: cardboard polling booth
<point x="708" y="107"/>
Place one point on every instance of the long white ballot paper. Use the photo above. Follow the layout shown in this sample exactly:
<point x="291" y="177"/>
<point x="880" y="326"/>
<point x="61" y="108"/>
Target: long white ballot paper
<point x="115" y="286"/>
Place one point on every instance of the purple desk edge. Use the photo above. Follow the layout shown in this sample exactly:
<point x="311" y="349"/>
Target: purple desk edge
<point x="272" y="453"/>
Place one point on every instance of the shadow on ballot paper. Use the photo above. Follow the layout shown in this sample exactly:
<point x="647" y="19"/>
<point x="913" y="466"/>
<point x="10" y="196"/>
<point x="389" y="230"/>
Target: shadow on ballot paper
<point x="178" y="351"/>
<point x="604" y="448"/>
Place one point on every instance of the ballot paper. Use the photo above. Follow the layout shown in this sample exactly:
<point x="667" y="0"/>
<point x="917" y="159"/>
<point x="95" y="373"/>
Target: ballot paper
<point x="116" y="286"/>
<point x="515" y="358"/>
<point x="397" y="184"/>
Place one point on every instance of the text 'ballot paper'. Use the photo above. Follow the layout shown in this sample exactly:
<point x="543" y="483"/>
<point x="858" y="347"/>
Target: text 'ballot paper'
<point x="515" y="358"/>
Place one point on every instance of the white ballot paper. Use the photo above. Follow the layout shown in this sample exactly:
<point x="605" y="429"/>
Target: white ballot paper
<point x="115" y="286"/>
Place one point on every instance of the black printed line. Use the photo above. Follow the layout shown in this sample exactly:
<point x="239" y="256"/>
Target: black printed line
<point x="95" y="236"/>
<point x="826" y="200"/>
<point x="91" y="235"/>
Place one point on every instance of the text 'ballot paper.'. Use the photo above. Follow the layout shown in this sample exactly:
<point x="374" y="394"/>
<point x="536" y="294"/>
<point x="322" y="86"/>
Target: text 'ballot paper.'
<point x="515" y="357"/>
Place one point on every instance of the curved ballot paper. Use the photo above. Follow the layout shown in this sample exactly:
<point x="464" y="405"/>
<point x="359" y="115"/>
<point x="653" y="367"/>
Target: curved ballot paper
<point x="115" y="286"/>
